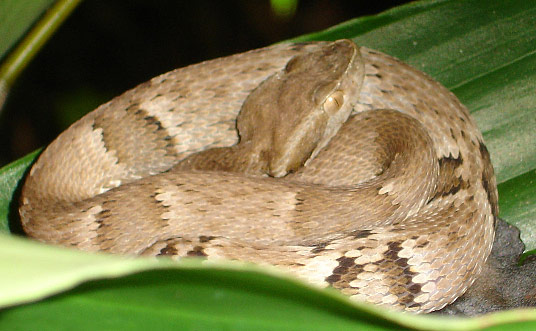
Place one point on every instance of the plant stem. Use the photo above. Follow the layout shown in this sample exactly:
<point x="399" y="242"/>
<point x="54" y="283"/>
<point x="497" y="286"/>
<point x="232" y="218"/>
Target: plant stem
<point x="32" y="43"/>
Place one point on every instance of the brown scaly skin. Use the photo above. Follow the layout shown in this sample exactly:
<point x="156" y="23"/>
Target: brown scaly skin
<point x="395" y="205"/>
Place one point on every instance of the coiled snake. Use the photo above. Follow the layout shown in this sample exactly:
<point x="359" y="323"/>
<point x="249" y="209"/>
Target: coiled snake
<point x="352" y="170"/>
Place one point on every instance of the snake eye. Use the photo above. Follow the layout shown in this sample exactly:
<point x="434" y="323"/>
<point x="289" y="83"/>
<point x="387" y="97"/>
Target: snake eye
<point x="334" y="102"/>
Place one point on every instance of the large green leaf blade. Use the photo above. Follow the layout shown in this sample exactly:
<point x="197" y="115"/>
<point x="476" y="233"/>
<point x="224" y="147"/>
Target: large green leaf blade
<point x="146" y="293"/>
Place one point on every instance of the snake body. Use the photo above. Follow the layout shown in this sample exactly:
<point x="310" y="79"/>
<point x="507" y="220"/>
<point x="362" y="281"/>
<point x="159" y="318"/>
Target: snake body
<point x="349" y="169"/>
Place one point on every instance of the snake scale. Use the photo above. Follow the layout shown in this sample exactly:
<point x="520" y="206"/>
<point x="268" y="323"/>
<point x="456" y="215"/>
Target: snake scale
<point x="337" y="163"/>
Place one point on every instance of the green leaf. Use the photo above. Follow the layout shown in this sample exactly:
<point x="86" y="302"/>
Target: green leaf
<point x="10" y="177"/>
<point x="483" y="51"/>
<point x="518" y="207"/>
<point x="189" y="295"/>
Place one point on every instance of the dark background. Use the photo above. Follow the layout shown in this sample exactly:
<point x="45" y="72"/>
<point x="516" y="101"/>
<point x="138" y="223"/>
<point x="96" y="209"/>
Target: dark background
<point x="107" y="47"/>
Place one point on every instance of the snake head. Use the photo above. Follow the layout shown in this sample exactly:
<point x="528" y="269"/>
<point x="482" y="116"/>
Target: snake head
<point x="294" y="113"/>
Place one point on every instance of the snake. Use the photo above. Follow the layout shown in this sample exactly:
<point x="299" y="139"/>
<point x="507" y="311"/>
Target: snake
<point x="333" y="162"/>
